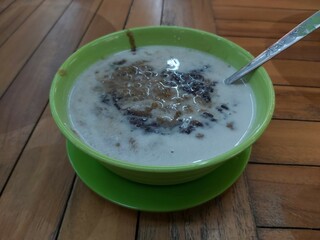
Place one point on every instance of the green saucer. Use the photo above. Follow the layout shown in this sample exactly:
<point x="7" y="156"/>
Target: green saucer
<point x="155" y="198"/>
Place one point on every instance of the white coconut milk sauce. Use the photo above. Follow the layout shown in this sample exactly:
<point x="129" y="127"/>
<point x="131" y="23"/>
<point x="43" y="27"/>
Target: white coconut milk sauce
<point x="160" y="105"/>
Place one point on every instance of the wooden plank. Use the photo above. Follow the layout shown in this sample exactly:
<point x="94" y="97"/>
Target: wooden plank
<point x="285" y="196"/>
<point x="303" y="50"/>
<point x="109" y="18"/>
<point x="89" y="216"/>
<point x="5" y="4"/>
<point x="283" y="4"/>
<point x="219" y="218"/>
<point x="294" y="72"/>
<point x="21" y="106"/>
<point x="34" y="198"/>
<point x="189" y="13"/>
<point x="31" y="223"/>
<point x="261" y="14"/>
<point x="288" y="142"/>
<point x="298" y="103"/>
<point x="14" y="16"/>
<point x="259" y="29"/>
<point x="288" y="234"/>
<point x="16" y="51"/>
<point x="151" y="13"/>
<point x="226" y="217"/>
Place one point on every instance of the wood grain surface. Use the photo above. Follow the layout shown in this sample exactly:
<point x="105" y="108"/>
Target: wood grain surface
<point x="298" y="143"/>
<point x="92" y="217"/>
<point x="225" y="225"/>
<point x="40" y="195"/>
<point x="28" y="95"/>
<point x="260" y="22"/>
<point x="283" y="4"/>
<point x="294" y="72"/>
<point x="254" y="13"/>
<point x="285" y="196"/>
<point x="303" y="50"/>
<point x="189" y="13"/>
<point x="288" y="234"/>
<point x="145" y="12"/>
<point x="5" y="4"/>
<point x="89" y="216"/>
<point x="297" y="103"/>
<point x="13" y="54"/>
<point x="226" y="217"/>
<point x="35" y="196"/>
<point x="14" y="16"/>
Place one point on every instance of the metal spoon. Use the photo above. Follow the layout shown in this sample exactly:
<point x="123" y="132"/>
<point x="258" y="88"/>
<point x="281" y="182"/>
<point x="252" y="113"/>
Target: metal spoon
<point x="299" y="32"/>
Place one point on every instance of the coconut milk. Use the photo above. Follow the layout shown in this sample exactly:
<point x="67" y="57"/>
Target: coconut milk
<point x="160" y="105"/>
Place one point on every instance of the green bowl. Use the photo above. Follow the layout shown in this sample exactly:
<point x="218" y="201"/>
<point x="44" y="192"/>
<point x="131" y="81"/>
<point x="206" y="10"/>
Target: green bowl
<point x="160" y="35"/>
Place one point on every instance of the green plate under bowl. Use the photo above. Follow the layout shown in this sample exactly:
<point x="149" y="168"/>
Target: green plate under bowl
<point x="155" y="198"/>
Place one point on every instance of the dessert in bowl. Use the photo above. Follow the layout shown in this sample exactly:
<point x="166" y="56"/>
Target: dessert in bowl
<point x="150" y="103"/>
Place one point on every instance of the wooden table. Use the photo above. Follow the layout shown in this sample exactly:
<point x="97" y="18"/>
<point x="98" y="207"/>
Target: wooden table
<point x="278" y="197"/>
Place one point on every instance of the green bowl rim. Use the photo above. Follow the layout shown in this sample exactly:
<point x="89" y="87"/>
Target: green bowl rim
<point x="68" y="133"/>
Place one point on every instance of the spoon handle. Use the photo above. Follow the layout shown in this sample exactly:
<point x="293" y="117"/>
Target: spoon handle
<point x="300" y="31"/>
